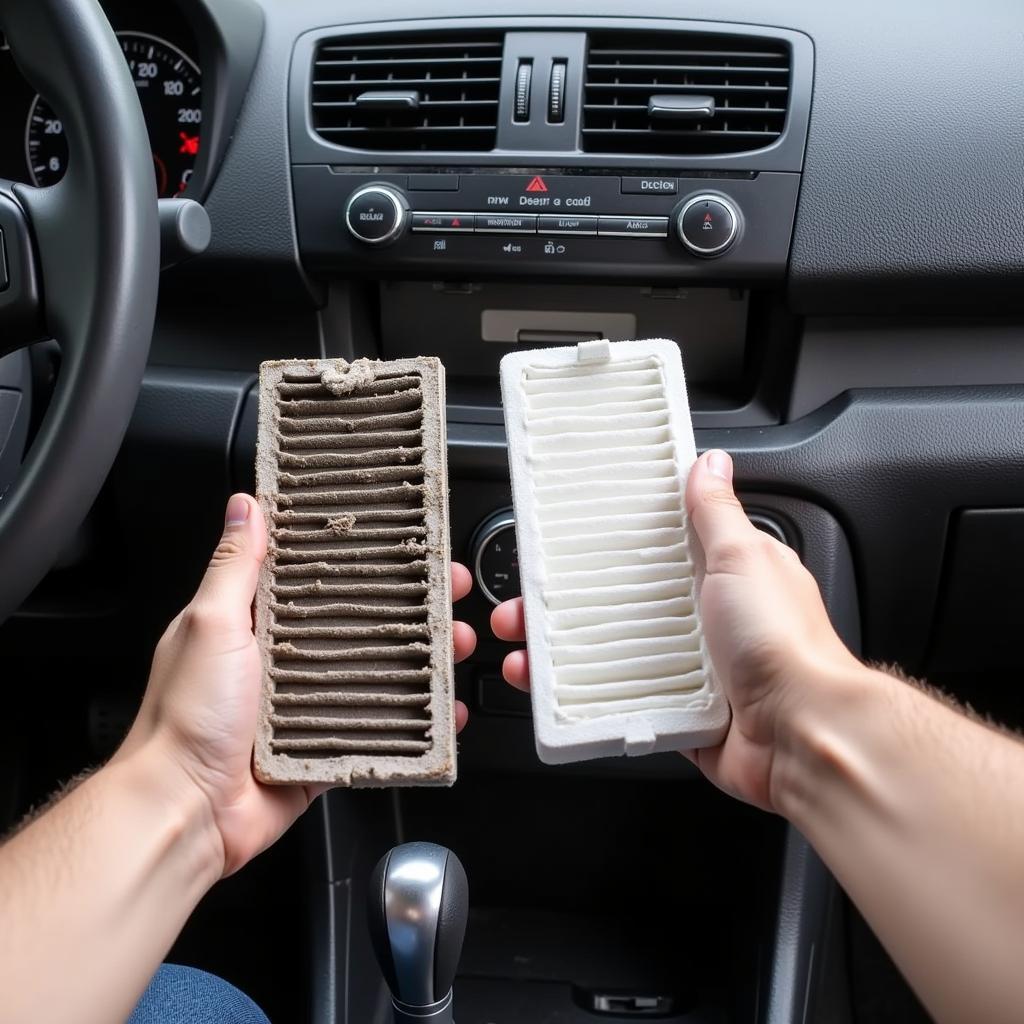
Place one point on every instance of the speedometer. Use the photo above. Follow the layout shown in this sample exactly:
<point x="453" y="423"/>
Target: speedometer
<point x="170" y="92"/>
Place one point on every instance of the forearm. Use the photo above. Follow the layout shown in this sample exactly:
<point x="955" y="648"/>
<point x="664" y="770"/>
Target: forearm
<point x="94" y="892"/>
<point x="919" y="813"/>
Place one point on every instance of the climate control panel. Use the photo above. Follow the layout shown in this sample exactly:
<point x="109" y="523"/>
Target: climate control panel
<point x="481" y="222"/>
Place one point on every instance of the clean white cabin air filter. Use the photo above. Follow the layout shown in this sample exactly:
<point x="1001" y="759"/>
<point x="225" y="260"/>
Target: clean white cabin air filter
<point x="600" y="445"/>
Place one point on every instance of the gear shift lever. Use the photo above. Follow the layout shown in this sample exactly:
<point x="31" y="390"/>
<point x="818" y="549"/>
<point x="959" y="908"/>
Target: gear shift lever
<point x="418" y="905"/>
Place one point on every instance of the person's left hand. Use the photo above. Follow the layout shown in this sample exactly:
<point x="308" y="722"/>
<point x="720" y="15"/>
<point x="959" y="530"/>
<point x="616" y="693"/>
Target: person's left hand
<point x="202" y="698"/>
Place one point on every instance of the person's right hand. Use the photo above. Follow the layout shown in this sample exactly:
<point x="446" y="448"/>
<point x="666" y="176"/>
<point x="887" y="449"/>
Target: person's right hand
<point x="766" y="628"/>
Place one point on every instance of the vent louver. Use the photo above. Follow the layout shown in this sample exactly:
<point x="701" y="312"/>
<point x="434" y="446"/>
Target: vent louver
<point x="410" y="92"/>
<point x="688" y="94"/>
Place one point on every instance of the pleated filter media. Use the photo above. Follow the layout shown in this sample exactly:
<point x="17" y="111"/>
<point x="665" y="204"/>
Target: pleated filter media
<point x="600" y="445"/>
<point x="353" y="608"/>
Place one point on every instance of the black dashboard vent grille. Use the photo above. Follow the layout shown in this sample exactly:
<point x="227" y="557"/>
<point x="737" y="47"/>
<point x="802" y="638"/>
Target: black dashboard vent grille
<point x="422" y="91"/>
<point x="692" y="94"/>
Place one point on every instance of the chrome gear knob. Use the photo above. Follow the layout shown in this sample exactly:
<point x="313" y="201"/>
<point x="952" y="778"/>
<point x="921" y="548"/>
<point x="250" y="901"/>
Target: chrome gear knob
<point x="418" y="907"/>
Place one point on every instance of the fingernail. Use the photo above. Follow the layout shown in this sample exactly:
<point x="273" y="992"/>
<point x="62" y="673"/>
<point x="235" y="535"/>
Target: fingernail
<point x="720" y="465"/>
<point x="238" y="511"/>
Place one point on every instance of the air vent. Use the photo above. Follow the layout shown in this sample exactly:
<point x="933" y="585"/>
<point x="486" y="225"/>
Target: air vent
<point x="683" y="94"/>
<point x="409" y="92"/>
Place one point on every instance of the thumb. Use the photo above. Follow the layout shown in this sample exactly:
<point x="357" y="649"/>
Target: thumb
<point x="230" y="581"/>
<point x="715" y="511"/>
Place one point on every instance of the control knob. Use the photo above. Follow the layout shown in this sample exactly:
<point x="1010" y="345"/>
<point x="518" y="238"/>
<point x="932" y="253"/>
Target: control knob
<point x="495" y="557"/>
<point x="377" y="214"/>
<point x="708" y="224"/>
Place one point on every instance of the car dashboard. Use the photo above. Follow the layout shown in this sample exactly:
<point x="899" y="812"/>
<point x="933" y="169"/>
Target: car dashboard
<point x="821" y="204"/>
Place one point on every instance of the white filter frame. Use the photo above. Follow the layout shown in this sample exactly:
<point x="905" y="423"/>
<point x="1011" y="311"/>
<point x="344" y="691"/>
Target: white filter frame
<point x="695" y="717"/>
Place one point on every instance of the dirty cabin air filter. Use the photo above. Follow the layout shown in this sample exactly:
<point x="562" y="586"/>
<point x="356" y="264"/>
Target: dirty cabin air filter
<point x="600" y="445"/>
<point x="353" y="610"/>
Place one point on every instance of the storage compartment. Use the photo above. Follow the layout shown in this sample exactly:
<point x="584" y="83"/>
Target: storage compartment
<point x="470" y="326"/>
<point x="647" y="901"/>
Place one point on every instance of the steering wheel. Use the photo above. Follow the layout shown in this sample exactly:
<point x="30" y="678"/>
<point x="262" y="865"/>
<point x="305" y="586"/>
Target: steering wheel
<point x="82" y="266"/>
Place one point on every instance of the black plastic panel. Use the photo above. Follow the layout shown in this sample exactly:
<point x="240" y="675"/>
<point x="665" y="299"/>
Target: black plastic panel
<point x="171" y="481"/>
<point x="840" y="353"/>
<point x="767" y="202"/>
<point x="15" y="392"/>
<point x="541" y="50"/>
<point x="976" y="629"/>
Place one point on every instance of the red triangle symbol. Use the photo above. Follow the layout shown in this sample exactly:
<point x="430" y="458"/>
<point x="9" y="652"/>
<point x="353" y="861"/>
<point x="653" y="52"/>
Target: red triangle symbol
<point x="536" y="184"/>
<point x="456" y="223"/>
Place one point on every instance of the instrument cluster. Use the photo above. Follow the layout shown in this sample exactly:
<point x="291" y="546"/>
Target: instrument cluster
<point x="162" y="53"/>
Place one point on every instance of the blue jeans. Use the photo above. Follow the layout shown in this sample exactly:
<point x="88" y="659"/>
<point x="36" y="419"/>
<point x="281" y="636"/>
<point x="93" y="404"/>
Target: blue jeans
<point x="183" y="995"/>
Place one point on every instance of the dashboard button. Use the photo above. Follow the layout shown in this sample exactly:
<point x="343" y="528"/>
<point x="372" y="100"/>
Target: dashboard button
<point x="506" y="223"/>
<point x="442" y="222"/>
<point x="376" y="214"/>
<point x="548" y="224"/>
<point x="649" y="186"/>
<point x="707" y="225"/>
<point x="633" y="227"/>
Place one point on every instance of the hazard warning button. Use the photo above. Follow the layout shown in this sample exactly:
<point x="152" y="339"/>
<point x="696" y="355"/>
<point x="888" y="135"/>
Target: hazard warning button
<point x="442" y="222"/>
<point x="708" y="225"/>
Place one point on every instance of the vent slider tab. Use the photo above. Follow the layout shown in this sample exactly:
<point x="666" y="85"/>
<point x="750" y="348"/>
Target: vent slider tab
<point x="674" y="107"/>
<point x="392" y="99"/>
